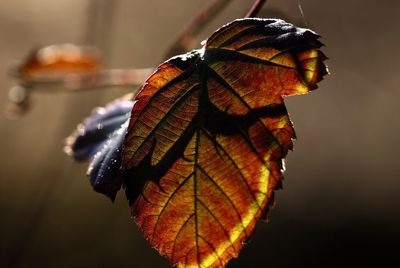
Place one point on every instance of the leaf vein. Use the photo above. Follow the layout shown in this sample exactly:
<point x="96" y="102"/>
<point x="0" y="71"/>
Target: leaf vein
<point x="168" y="200"/>
<point x="227" y="197"/>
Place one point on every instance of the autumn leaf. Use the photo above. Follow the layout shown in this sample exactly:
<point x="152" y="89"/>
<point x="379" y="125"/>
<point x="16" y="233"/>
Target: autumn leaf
<point x="208" y="134"/>
<point x="59" y="60"/>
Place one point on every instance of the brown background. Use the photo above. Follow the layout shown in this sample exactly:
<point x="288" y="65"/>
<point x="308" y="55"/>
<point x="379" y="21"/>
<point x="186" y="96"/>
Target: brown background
<point x="341" y="200"/>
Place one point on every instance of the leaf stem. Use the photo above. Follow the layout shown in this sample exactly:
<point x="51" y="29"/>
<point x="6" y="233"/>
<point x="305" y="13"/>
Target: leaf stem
<point x="255" y="8"/>
<point x="199" y="21"/>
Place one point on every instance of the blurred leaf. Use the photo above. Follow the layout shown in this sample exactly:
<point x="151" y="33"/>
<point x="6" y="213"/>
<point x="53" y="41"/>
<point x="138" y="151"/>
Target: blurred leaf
<point x="55" y="61"/>
<point x="208" y="134"/>
<point x="99" y="139"/>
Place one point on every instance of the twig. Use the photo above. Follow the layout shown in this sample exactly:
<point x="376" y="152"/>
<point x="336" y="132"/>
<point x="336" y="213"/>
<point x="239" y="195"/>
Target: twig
<point x="255" y="8"/>
<point x="106" y="78"/>
<point x="78" y="82"/>
<point x="19" y="95"/>
<point x="199" y="21"/>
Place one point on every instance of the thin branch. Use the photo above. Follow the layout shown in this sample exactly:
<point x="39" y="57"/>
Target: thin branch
<point x="19" y="95"/>
<point x="255" y="8"/>
<point x="103" y="78"/>
<point x="186" y="38"/>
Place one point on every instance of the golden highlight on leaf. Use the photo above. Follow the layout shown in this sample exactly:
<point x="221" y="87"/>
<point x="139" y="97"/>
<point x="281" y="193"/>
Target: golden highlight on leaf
<point x="208" y="134"/>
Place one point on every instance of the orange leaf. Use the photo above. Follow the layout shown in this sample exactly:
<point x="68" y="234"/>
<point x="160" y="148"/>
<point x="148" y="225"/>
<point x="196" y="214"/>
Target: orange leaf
<point x="58" y="60"/>
<point x="208" y="134"/>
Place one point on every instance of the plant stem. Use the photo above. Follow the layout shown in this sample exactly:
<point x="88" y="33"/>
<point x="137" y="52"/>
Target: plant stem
<point x="185" y="39"/>
<point x="255" y="8"/>
<point x="78" y="82"/>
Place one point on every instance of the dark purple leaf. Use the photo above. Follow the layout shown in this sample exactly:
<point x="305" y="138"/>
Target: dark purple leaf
<point x="99" y="139"/>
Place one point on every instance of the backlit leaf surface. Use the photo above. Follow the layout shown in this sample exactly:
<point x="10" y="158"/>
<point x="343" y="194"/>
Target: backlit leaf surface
<point x="208" y="134"/>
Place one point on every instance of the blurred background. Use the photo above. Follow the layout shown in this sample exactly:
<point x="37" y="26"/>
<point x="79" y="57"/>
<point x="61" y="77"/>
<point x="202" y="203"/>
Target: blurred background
<point x="341" y="198"/>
